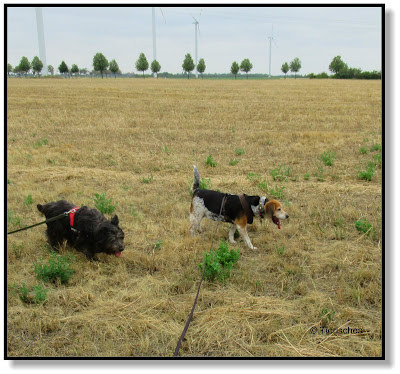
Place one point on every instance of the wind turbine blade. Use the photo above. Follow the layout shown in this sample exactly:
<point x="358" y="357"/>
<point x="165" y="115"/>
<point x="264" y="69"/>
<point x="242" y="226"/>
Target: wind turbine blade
<point x="165" y="21"/>
<point x="275" y="43"/>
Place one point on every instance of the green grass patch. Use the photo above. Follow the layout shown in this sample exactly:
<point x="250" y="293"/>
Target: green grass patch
<point x="103" y="204"/>
<point x="57" y="269"/>
<point x="328" y="157"/>
<point x="210" y="161"/>
<point x="217" y="264"/>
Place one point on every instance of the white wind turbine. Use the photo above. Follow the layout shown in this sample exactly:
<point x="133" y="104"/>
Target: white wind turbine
<point x="196" y="29"/>
<point x="154" y="34"/>
<point x="271" y="38"/>
<point x="40" y="32"/>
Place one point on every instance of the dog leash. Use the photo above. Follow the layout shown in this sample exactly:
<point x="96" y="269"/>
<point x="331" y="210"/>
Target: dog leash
<point x="198" y="288"/>
<point x="47" y="221"/>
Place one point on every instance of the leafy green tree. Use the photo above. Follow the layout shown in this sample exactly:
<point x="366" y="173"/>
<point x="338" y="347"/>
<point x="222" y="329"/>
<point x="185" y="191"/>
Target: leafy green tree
<point x="9" y="69"/>
<point x="142" y="64"/>
<point x="17" y="70"/>
<point x="285" y="68"/>
<point x="24" y="65"/>
<point x="295" y="66"/>
<point x="188" y="64"/>
<point x="63" y="68"/>
<point x="235" y="68"/>
<point x="37" y="65"/>
<point x="50" y="69"/>
<point x="83" y="71"/>
<point x="201" y="67"/>
<point x="337" y="65"/>
<point x="74" y="69"/>
<point x="100" y="63"/>
<point x="155" y="67"/>
<point x="246" y="66"/>
<point x="114" y="68"/>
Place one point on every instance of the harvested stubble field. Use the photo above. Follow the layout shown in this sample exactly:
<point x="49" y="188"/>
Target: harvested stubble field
<point x="137" y="141"/>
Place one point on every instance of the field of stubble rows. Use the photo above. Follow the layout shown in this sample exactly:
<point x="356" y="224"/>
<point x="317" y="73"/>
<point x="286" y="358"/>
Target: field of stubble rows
<point x="136" y="141"/>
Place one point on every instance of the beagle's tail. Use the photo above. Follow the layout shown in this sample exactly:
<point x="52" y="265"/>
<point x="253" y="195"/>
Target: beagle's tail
<point x="196" y="182"/>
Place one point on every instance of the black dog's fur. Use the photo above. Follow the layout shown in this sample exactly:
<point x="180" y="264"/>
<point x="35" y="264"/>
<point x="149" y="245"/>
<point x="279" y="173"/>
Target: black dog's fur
<point x="92" y="233"/>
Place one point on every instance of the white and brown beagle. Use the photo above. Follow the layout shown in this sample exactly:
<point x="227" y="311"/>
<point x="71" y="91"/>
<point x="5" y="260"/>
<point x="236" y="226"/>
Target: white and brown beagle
<point x="237" y="210"/>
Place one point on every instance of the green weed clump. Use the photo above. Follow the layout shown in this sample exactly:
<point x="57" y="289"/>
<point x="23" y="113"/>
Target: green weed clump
<point x="219" y="263"/>
<point x="368" y="173"/>
<point x="282" y="173"/>
<point x="58" y="268"/>
<point x="103" y="204"/>
<point x="363" y="225"/>
<point x="210" y="161"/>
<point x="28" y="200"/>
<point x="148" y="179"/>
<point x="239" y="151"/>
<point x="328" y="157"/>
<point x="37" y="295"/>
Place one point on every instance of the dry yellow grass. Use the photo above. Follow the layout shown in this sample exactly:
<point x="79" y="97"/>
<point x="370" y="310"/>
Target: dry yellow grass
<point x="74" y="138"/>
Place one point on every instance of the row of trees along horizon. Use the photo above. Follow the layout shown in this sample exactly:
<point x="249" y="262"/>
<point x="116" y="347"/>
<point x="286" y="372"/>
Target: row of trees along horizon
<point x="102" y="66"/>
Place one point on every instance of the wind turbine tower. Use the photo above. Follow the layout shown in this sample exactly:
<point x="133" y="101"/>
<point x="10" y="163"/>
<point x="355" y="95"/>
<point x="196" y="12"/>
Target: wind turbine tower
<point x="154" y="37"/>
<point x="196" y="28"/>
<point x="271" y="38"/>
<point x="154" y="34"/>
<point x="40" y="31"/>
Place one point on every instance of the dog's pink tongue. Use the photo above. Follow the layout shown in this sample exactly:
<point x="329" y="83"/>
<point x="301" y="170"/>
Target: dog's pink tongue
<point x="276" y="221"/>
<point x="118" y="254"/>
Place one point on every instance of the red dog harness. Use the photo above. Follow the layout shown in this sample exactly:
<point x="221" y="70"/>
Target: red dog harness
<point x="72" y="216"/>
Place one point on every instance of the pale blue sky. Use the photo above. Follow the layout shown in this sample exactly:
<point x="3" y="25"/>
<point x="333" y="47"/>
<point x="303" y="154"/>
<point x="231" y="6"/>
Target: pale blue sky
<point x="227" y="34"/>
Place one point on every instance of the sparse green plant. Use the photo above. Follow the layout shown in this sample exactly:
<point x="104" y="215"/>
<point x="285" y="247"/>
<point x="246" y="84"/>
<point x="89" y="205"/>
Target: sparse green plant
<point x="327" y="314"/>
<point x="103" y="204"/>
<point x="233" y="162"/>
<point x="280" y="250"/>
<point x="263" y="185"/>
<point x="307" y="176"/>
<point x="362" y="225"/>
<point x="368" y="173"/>
<point x="376" y="147"/>
<point x="281" y="173"/>
<point x="363" y="150"/>
<point x="35" y="296"/>
<point x="157" y="245"/>
<point x="253" y="176"/>
<point x="205" y="183"/>
<point x="210" y="161"/>
<point x="320" y="174"/>
<point x="57" y="269"/>
<point x="377" y="159"/>
<point x="148" y="179"/>
<point x="132" y="211"/>
<point x="40" y="143"/>
<point x="277" y="192"/>
<point x="12" y="218"/>
<point x="239" y="151"/>
<point x="28" y="200"/>
<point x="328" y="157"/>
<point x="217" y="264"/>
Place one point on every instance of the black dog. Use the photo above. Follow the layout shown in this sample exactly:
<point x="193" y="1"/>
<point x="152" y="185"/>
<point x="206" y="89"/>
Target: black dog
<point x="85" y="229"/>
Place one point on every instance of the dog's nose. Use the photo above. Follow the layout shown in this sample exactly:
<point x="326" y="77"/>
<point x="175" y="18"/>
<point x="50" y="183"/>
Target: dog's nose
<point x="287" y="215"/>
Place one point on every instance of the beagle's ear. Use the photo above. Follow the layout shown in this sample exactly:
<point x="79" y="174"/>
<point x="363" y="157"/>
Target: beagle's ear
<point x="269" y="208"/>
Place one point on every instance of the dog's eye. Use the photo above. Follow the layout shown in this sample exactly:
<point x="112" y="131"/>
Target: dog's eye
<point x="279" y="209"/>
